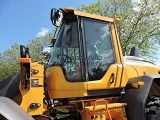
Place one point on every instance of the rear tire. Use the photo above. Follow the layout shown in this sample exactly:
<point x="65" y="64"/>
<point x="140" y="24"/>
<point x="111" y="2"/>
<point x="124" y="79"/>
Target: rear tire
<point x="153" y="108"/>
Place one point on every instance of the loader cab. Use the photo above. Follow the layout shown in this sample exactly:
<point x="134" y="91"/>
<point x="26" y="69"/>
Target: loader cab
<point x="84" y="51"/>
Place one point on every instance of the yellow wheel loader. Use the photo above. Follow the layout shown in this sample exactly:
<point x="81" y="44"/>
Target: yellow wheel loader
<point x="85" y="75"/>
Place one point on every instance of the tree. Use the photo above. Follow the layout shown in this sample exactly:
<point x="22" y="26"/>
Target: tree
<point x="9" y="60"/>
<point x="9" y="63"/>
<point x="139" y="26"/>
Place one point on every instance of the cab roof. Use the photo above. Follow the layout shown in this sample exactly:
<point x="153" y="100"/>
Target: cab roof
<point x="92" y="16"/>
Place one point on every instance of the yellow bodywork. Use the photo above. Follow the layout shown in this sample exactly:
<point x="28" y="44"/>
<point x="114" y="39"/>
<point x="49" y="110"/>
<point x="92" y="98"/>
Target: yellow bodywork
<point x="60" y="88"/>
<point x="140" y="68"/>
<point x="32" y="94"/>
<point x="92" y="16"/>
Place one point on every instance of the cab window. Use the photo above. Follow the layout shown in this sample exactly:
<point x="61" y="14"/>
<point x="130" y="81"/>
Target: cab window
<point x="99" y="48"/>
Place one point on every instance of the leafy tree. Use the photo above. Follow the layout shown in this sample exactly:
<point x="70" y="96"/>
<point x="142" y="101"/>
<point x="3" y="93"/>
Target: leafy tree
<point x="140" y="23"/>
<point x="9" y="60"/>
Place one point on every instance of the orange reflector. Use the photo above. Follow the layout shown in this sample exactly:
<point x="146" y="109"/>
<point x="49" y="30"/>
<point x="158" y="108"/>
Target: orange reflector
<point x="25" y="60"/>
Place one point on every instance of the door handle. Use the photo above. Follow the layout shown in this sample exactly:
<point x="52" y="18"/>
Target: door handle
<point x="112" y="78"/>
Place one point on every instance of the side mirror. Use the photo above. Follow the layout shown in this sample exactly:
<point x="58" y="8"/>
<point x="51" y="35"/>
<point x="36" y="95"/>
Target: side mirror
<point x="56" y="17"/>
<point x="134" y="51"/>
<point x="46" y="51"/>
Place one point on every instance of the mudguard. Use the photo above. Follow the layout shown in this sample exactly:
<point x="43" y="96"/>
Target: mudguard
<point x="136" y="98"/>
<point x="10" y="86"/>
<point x="11" y="110"/>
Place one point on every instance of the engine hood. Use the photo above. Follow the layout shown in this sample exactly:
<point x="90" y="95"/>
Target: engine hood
<point x="141" y="66"/>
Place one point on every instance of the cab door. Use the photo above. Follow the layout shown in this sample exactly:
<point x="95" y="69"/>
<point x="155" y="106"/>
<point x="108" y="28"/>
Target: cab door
<point x="103" y="63"/>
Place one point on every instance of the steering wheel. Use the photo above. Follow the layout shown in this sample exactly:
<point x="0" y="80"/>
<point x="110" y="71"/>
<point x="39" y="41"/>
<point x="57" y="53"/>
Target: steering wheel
<point x="64" y="59"/>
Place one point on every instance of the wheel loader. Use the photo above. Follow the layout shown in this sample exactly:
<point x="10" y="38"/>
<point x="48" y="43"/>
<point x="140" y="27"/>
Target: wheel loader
<point x="84" y="76"/>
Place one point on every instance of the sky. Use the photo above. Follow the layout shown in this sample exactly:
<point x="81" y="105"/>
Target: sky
<point x="23" y="20"/>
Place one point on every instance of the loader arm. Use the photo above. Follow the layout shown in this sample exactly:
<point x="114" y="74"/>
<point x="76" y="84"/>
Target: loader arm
<point x="9" y="87"/>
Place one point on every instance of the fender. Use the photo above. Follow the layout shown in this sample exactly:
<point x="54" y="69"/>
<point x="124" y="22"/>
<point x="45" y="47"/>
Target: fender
<point x="136" y="98"/>
<point x="12" y="111"/>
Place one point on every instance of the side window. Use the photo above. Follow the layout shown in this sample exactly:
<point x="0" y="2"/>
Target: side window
<point x="99" y="48"/>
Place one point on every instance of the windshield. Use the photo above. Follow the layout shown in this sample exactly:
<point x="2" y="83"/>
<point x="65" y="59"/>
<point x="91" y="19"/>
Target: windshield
<point x="65" y="52"/>
<point x="66" y="42"/>
<point x="56" y="49"/>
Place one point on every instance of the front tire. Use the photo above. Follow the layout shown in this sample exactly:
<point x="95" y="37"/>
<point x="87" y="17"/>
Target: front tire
<point x="153" y="108"/>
